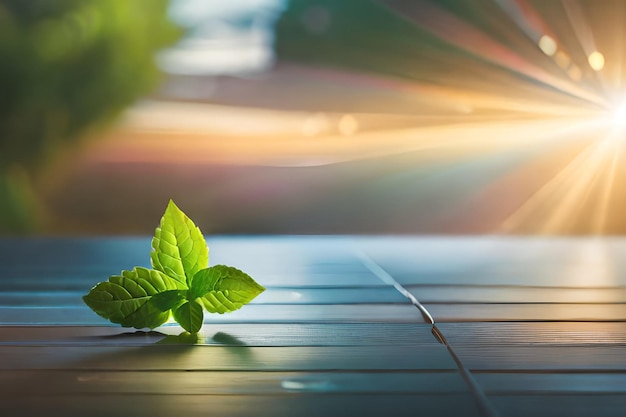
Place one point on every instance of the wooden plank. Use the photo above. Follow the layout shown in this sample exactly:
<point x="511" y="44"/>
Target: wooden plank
<point x="24" y="382"/>
<point x="494" y="260"/>
<point x="314" y="405"/>
<point x="351" y="313"/>
<point x="274" y="334"/>
<point x="77" y="264"/>
<point x="560" y="405"/>
<point x="543" y="358"/>
<point x="313" y="253"/>
<point x="327" y="352"/>
<point x="511" y="294"/>
<point x="502" y="260"/>
<point x="287" y="278"/>
<point x="473" y="250"/>
<point x="42" y="253"/>
<point x="29" y="333"/>
<point x="316" y="254"/>
<point x="218" y="358"/>
<point x="542" y="347"/>
<point x="41" y="298"/>
<point x="81" y="280"/>
<point x="526" y="312"/>
<point x="273" y="295"/>
<point x="355" y="295"/>
<point x="531" y="275"/>
<point x="561" y="383"/>
<point x="297" y="260"/>
<point x="304" y="260"/>
<point x="520" y="334"/>
<point x="302" y="266"/>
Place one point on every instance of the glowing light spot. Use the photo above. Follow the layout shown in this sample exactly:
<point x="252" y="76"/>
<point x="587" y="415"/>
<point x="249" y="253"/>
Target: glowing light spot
<point x="596" y="61"/>
<point x="547" y="45"/>
<point x="315" y="125"/>
<point x="307" y="384"/>
<point x="296" y="295"/>
<point x="348" y="125"/>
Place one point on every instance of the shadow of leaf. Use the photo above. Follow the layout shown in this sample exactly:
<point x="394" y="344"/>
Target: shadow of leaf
<point x="182" y="339"/>
<point x="136" y="338"/>
<point x="235" y="346"/>
<point x="227" y="339"/>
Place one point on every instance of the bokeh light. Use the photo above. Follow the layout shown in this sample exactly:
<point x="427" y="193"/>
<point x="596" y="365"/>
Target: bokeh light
<point x="596" y="61"/>
<point x="548" y="45"/>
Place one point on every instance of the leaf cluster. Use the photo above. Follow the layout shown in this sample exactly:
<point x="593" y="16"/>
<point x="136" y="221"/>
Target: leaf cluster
<point x="180" y="284"/>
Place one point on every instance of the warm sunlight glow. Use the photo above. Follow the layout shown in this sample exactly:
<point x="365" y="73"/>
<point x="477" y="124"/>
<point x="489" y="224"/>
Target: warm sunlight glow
<point x="619" y="115"/>
<point x="596" y="61"/>
<point x="314" y="125"/>
<point x="348" y="125"/>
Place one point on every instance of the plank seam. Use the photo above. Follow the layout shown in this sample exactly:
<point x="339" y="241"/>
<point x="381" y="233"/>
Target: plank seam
<point x="388" y="279"/>
<point x="484" y="405"/>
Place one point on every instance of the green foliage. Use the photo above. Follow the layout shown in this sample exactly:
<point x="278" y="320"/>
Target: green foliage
<point x="67" y="65"/>
<point x="222" y="289"/>
<point x="178" y="247"/>
<point x="189" y="316"/>
<point x="127" y="299"/>
<point x="181" y="282"/>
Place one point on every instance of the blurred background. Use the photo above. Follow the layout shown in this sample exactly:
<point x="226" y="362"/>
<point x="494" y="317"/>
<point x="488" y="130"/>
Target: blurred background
<point x="313" y="116"/>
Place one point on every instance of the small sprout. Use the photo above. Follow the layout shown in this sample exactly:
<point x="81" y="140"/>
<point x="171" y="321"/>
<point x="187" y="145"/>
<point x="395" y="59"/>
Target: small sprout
<point x="180" y="284"/>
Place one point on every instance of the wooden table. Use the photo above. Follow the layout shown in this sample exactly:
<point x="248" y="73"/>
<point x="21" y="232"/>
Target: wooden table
<point x="522" y="327"/>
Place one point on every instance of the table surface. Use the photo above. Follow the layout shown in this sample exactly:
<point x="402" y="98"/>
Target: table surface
<point x="349" y="325"/>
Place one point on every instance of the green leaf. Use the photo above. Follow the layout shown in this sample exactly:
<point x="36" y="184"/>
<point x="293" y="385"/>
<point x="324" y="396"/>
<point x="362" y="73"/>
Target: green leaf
<point x="168" y="300"/>
<point x="126" y="299"/>
<point x="205" y="280"/>
<point x="145" y="297"/>
<point x="178" y="247"/>
<point x="224" y="289"/>
<point x="189" y="315"/>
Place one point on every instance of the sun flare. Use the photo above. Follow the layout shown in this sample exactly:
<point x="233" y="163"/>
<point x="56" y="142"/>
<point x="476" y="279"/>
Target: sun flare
<point x="618" y="115"/>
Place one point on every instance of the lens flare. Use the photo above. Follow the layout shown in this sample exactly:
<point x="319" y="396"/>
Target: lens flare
<point x="618" y="116"/>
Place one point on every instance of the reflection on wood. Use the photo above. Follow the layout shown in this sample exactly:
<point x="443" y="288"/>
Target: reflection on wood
<point x="328" y="337"/>
<point x="259" y="313"/>
<point x="231" y="334"/>
<point x="272" y="295"/>
<point x="243" y="405"/>
<point x="229" y="383"/>
<point x="527" y="312"/>
<point x="560" y="405"/>
<point x="544" y="358"/>
<point x="563" y="383"/>
<point x="533" y="334"/>
<point x="233" y="358"/>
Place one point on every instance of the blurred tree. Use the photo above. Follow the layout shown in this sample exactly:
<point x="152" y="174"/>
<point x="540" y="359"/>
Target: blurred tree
<point x="66" y="66"/>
